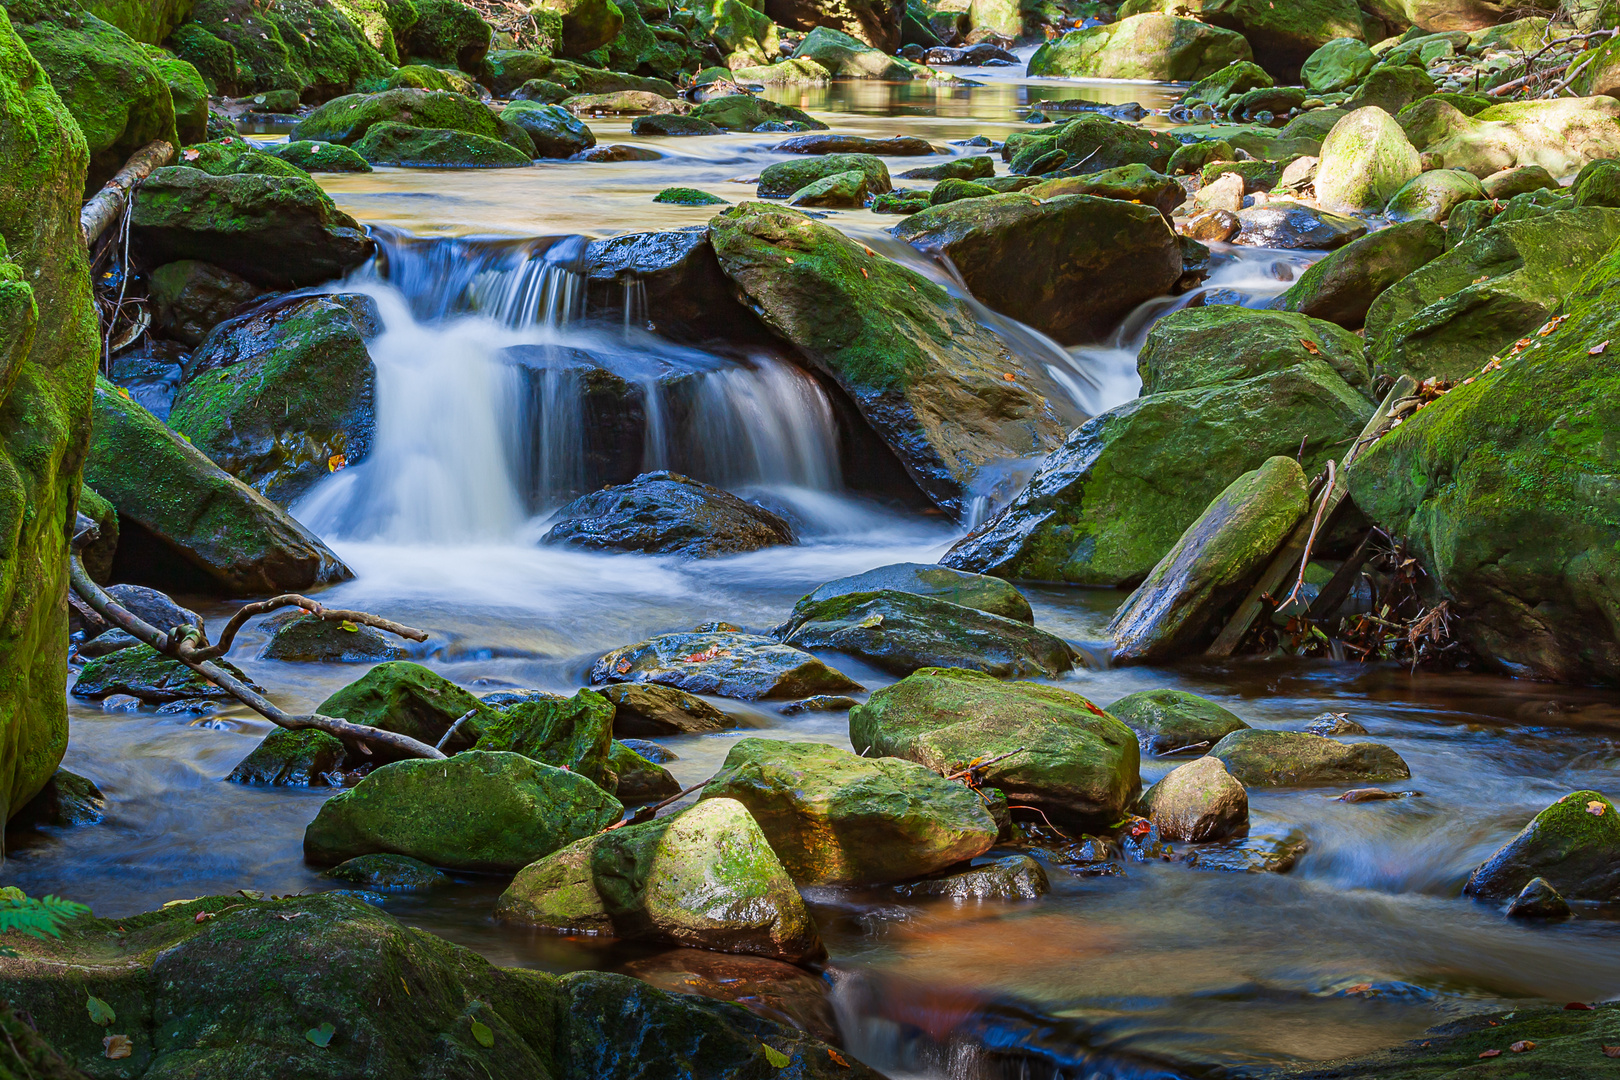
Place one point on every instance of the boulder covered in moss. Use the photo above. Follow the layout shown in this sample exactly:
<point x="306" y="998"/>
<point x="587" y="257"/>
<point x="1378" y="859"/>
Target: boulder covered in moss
<point x="310" y="48"/>
<point x="311" y="639"/>
<point x="288" y="758"/>
<point x="409" y="699"/>
<point x="404" y="144"/>
<point x="1433" y="195"/>
<point x="1365" y="160"/>
<point x="555" y="132"/>
<point x="346" y="119"/>
<point x="1561" y="136"/>
<point x="389" y="873"/>
<point x="1573" y="846"/>
<point x="1197" y="802"/>
<point x="1284" y="36"/>
<point x="1167" y="720"/>
<point x="1204" y="346"/>
<point x="143" y="672"/>
<point x="574" y="733"/>
<point x="1341" y="287"/>
<point x="187" y="90"/>
<point x="939" y="582"/>
<point x="1294" y="759"/>
<point x="448" y="32"/>
<point x="315" y="157"/>
<point x="848" y="55"/>
<point x="1157" y="47"/>
<point x="639" y="780"/>
<point x="1088" y="143"/>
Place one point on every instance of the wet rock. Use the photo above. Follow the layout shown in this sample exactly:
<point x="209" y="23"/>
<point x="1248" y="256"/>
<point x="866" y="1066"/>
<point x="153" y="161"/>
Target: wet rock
<point x="493" y="812"/>
<point x="1539" y="900"/>
<point x="1365" y="160"/>
<point x="542" y="91"/>
<point x="234" y="156"/>
<point x="624" y="103"/>
<point x="312" y="352"/>
<point x="276" y="231"/>
<point x="1078" y="765"/>
<point x="724" y="663"/>
<point x="1291" y="759"/>
<point x="408" y="699"/>
<point x="1597" y="184"/>
<point x="1433" y="195"/>
<point x="682" y="196"/>
<point x="554" y="131"/>
<point x="1230" y="81"/>
<point x="67" y="801"/>
<point x="705" y="878"/>
<point x="671" y="125"/>
<point x="310" y="639"/>
<point x="665" y="513"/>
<point x="1561" y="136"/>
<point x="1213" y="225"/>
<point x="930" y="381"/>
<point x="1105" y="508"/>
<point x="401" y="144"/>
<point x="347" y="119"/>
<point x="389" y="873"/>
<point x="772" y="989"/>
<point x="898" y="146"/>
<point x="837" y="819"/>
<point x="745" y="112"/>
<point x="286" y="758"/>
<point x="1342" y="287"/>
<point x="784" y="178"/>
<point x="901" y="632"/>
<point x="1203" y="346"/>
<point x="650" y="710"/>
<point x="143" y="672"/>
<point x="848" y="57"/>
<point x="1198" y="801"/>
<point x="678" y="274"/>
<point x="189" y="298"/>
<point x="1016" y="877"/>
<point x="98" y="554"/>
<point x="640" y="780"/>
<point x="990" y="594"/>
<point x="1167" y="720"/>
<point x="1127" y="183"/>
<point x="1071" y="265"/>
<point x="1337" y="65"/>
<point x="844" y="191"/>
<point x="952" y="190"/>
<point x="154" y="607"/>
<point x="573" y="733"/>
<point x="651" y="751"/>
<point x="1573" y="846"/>
<point x="319" y="157"/>
<point x="819" y="703"/>
<point x="1285" y="224"/>
<point x="1156" y="47"/>
<point x="107" y="643"/>
<point x="1224" y="194"/>
<point x="965" y="168"/>
<point x="1192" y="157"/>
<point x="1265" y="850"/>
<point x="792" y="71"/>
<point x="1089" y="142"/>
<point x="1334" y="724"/>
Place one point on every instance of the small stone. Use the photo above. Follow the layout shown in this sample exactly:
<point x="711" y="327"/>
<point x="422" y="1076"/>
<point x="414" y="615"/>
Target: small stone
<point x="1330" y="723"/>
<point x="819" y="703"/>
<point x="682" y="196"/>
<point x="1219" y="225"/>
<point x="650" y="710"/>
<point x="311" y="639"/>
<point x="1016" y="877"/>
<point x="389" y="873"/>
<point x="1539" y="900"/>
<point x="1198" y="801"/>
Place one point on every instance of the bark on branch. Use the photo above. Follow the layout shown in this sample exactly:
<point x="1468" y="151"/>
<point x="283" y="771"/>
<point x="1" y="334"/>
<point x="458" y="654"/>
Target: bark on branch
<point x="105" y="205"/>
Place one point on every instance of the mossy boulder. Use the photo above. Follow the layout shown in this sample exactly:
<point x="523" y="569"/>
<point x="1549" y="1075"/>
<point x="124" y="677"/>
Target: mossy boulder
<point x="275" y="231"/>
<point x="402" y="144"/>
<point x="449" y="32"/>
<point x="185" y="519"/>
<point x="1079" y="765"/>
<point x="143" y="672"/>
<point x="745" y="112"/>
<point x="234" y="156"/>
<point x="929" y="379"/>
<point x="1522" y="180"/>
<point x="1365" y="160"/>
<point x="409" y="699"/>
<point x="1259" y="758"/>
<point x="1203" y="346"/>
<point x="574" y="733"/>
<point x="1106" y="508"/>
<point x="783" y="178"/>
<point x="424" y="77"/>
<point x="952" y="190"/>
<point x="939" y="582"/>
<point x="1391" y="88"/>
<point x="478" y="810"/>
<point x="98" y="554"/>
<point x="835" y="818"/>
<point x="684" y="196"/>
<point x="1174" y="611"/>
<point x="189" y="93"/>
<point x="703" y="878"/>
<point x="723" y="662"/>
<point x="843" y="191"/>
<point x="579" y="78"/>
<point x="1126" y="183"/>
<point x="1433" y="195"/>
<point x="790" y="72"/>
<point x="389" y="873"/>
<point x="1489" y="487"/>
<point x="586" y="24"/>
<point x="901" y="632"/>
<point x="312" y="352"/>
<point x="849" y="57"/>
<point x="1336" y="66"/>
<point x="1162" y="48"/>
<point x="385" y="24"/>
<point x="1342" y="287"/>
<point x="976" y="167"/>
<point x="346" y="119"/>
<point x="1284" y="36"/>
<point x="287" y="758"/>
<point x="1561" y="136"/>
<point x="1597" y="184"/>
<point x="1090" y="143"/>
<point x="743" y="34"/>
<point x="190" y="297"/>
<point x="147" y="21"/>
<point x="1166" y="720"/>
<point x="666" y="513"/>
<point x="555" y="132"/>
<point x="1230" y="81"/>
<point x="1197" y="802"/>
<point x="640" y="781"/>
<point x="310" y="639"/>
<point x="309" y="47"/>
<point x="315" y="157"/>
<point x="1573" y="845"/>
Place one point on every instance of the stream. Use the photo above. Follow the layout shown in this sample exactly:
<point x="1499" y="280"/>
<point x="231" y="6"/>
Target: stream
<point x="1159" y="971"/>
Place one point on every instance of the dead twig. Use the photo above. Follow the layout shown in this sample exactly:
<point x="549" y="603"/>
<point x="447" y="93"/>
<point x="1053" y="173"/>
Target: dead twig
<point x="455" y="727"/>
<point x="978" y="764"/>
<point x="1310" y="541"/>
<point x="647" y="813"/>
<point x="338" y="615"/>
<point x="107" y="204"/>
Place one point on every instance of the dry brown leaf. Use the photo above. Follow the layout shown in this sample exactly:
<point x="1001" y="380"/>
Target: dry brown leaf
<point x="1522" y="1046"/>
<point x="1611" y="1051"/>
<point x="1310" y="346"/>
<point x="117" y="1046"/>
<point x="1491" y="1053"/>
<point x="1595" y="808"/>
<point x="1597" y="350"/>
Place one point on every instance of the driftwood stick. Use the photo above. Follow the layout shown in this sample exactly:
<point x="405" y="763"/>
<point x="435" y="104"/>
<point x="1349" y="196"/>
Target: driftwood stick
<point x="105" y="205"/>
<point x="1310" y="541"/>
<point x="975" y="766"/>
<point x="647" y="813"/>
<point x="1338" y="587"/>
<point x="181" y="644"/>
<point x="238" y="620"/>
<point x="455" y="727"/>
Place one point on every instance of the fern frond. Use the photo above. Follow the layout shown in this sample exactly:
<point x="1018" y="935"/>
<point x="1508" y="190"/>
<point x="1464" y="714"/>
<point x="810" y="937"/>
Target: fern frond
<point x="38" y="918"/>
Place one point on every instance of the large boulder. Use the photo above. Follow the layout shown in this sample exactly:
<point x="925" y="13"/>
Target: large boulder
<point x="1342" y="287"/>
<point x="1167" y="720"/>
<point x="1175" y="609"/>
<point x="1198" y="801"/>
<point x="147" y="21"/>
<point x="744" y="35"/>
<point x="1153" y="46"/>
<point x="835" y="818"/>
<point x="665" y="513"/>
<point x="1561" y="136"/>
<point x="573" y="733"/>
<point x="190" y="297"/>
<point x="1106" y="508"/>
<point x="1202" y="346"/>
<point x="1573" y="845"/>
<point x="554" y="131"/>
<point x="312" y="352"/>
<point x="648" y="710"/>
<point x="276" y="231"/>
<point x="586" y="24"/>
<point x="1129" y="183"/>
<point x="900" y="632"/>
<point x="1433" y="195"/>
<point x="677" y="273"/>
<point x="724" y="662"/>
<point x="346" y="119"/>
<point x="874" y="22"/>
<point x="142" y="672"/>
<point x="385" y="24"/>
<point x="1071" y="266"/>
<point x="49" y="349"/>
<point x="1294" y="759"/>
<point x="1337" y="65"/>
<point x="479" y="810"/>
<point x="704" y="878"/>
<point x="311" y="48"/>
<point x="947" y="396"/>
<point x="1284" y="36"/>
<point x="185" y="520"/>
<point x="745" y="112"/>
<point x="1365" y="160"/>
<point x="783" y="178"/>
<point x="844" y="55"/>
<point x="187" y="91"/>
<point x="1086" y="144"/>
<point x="389" y="143"/>
<point x="409" y="699"/>
<point x="1391" y="87"/>
<point x="1078" y="765"/>
<point x="449" y="32"/>
<point x="940" y="582"/>
<point x="1491" y="489"/>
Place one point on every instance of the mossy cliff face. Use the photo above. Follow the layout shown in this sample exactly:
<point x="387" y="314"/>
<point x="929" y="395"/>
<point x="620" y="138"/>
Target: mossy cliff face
<point x="44" y="410"/>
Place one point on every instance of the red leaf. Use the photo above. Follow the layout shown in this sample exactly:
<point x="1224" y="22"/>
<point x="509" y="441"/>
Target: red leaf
<point x="1491" y="1053"/>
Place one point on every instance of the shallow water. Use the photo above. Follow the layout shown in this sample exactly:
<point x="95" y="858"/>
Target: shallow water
<point x="1160" y="971"/>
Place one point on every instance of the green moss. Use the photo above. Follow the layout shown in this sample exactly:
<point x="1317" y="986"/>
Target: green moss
<point x="189" y="93"/>
<point x="301" y="45"/>
<point x="400" y="144"/>
<point x="1166" y="720"/>
<point x="410" y="699"/>
<point x="235" y="156"/>
<point x="347" y="119"/>
<point x="680" y="196"/>
<point x="449" y="32"/>
<point x="381" y="22"/>
<point x="290" y="759"/>
<point x="573" y="733"/>
<point x="1157" y="47"/>
<point x="148" y="21"/>
<point x="745" y="112"/>
<point x="321" y="157"/>
<point x="147" y="674"/>
<point x="1204" y="346"/>
<point x="214" y="58"/>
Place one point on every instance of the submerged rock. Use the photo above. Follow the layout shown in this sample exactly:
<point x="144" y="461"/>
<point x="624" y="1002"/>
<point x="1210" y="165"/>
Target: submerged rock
<point x="310" y="639"/>
<point x="722" y="662"/>
<point x="781" y="992"/>
<point x="1157" y="47"/>
<point x="286" y="758"/>
<point x="67" y="801"/>
<point x="1166" y="720"/>
<point x="1539" y="900"/>
<point x="834" y="818"/>
<point x="1016" y="877"/>
<point x="1573" y="847"/>
<point x="389" y="873"/>
<point x="901" y="632"/>
<point x="650" y="710"/>
<point x="1292" y="759"/>
<point x="705" y="877"/>
<point x="665" y="513"/>
<point x="493" y="812"/>
<point x="979" y="591"/>
<point x="1078" y="765"/>
<point x="897" y="146"/>
<point x="1198" y="801"/>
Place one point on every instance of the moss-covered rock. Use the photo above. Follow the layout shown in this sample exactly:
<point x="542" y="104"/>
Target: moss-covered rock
<point x="722" y="662"/>
<point x="1342" y="287"/>
<point x="704" y="878"/>
<point x="783" y="178"/>
<point x="900" y="632"/>
<point x="312" y="352"/>
<point x="1125" y="183"/>
<point x="952" y="190"/>
<point x="67" y="801"/>
<point x="347" y="119"/>
<point x="235" y="156"/>
<point x="409" y="699"/>
<point x="939" y="582"/>
<point x="98" y="554"/>
<point x="573" y="733"/>
<point x="745" y="36"/>
<point x="1573" y="845"/>
<point x="1174" y="610"/>
<point x="1230" y="81"/>
<point x="303" y="45"/>
<point x="449" y="32"/>
<point x="402" y="144"/>
<point x="585" y="24"/>
<point x="1106" y="508"/>
<point x="317" y="157"/>
<point x="685" y="196"/>
<point x="1203" y="346"/>
<point x="1153" y="46"/>
<point x="1166" y="720"/>
<point x="276" y="231"/>
<point x="976" y="167"/>
<point x="311" y="639"/>
<point x="1283" y="36"/>
<point x="383" y="23"/>
<point x="648" y="710"/>
<point x="843" y="191"/>
<point x="845" y="56"/>
<point x="1365" y="160"/>
<point x="190" y="297"/>
<point x="930" y="380"/>
<point x="1336" y="66"/>
<point x="214" y="59"/>
<point x="287" y="758"/>
<point x="1597" y="184"/>
<point x="640" y="781"/>
<point x="834" y="818"/>
<point x="1294" y="759"/>
<point x="581" y="79"/>
<point x="389" y="873"/>
<point x="793" y="71"/>
<point x="1197" y="802"/>
<point x="1391" y="88"/>
<point x="1433" y="195"/>
<point x="1561" y="136"/>
<point x="1078" y="766"/>
<point x="143" y="672"/>
<point x="187" y="90"/>
<point x="555" y="132"/>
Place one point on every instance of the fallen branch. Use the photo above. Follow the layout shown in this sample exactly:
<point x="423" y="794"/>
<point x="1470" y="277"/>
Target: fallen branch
<point x="455" y="727"/>
<point x="647" y="813"/>
<point x="975" y="765"/>
<point x="238" y="620"/>
<point x="188" y="645"/>
<point x="1310" y="541"/>
<point x="106" y="205"/>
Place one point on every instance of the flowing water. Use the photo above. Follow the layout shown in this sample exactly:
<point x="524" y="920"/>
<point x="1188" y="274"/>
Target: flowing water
<point x="487" y="422"/>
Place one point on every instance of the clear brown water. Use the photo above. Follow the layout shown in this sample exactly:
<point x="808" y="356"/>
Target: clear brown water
<point x="1160" y="971"/>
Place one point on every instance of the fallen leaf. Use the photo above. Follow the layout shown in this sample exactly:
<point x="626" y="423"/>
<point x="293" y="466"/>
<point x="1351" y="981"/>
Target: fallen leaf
<point x="123" y="392"/>
<point x="790" y="260"/>
<point x="869" y="622"/>
<point x="100" y="1012"/>
<point x="336" y="462"/>
<point x="868" y="250"/>
<point x="1595" y="808"/>
<point x="349" y="626"/>
<point x="177" y="903"/>
<point x="1522" y="1046"/>
<point x="190" y="154"/>
<point x="117" y="1046"/>
<point x="1611" y="1051"/>
<point x="1491" y="1053"/>
<point x="775" y="1056"/>
<point x="1095" y="710"/>
<point x="1577" y="1006"/>
<point x="1310" y="347"/>
<point x="711" y="653"/>
<point x="1597" y="350"/>
<point x="482" y="1035"/>
<point x="251" y="894"/>
<point x="1358" y="988"/>
<point x="1009" y="376"/>
<point x="622" y="667"/>
<point x="203" y="916"/>
<point x="838" y="1058"/>
<point x="321" y="1036"/>
<point x="864" y="274"/>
